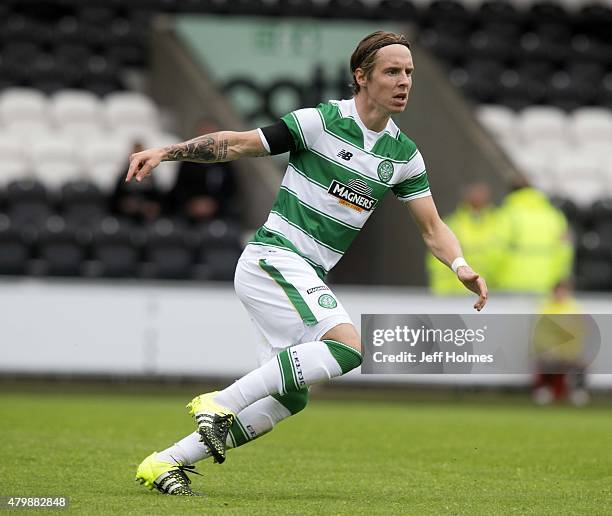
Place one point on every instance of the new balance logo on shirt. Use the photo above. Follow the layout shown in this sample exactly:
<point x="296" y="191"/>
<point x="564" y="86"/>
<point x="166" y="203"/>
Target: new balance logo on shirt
<point x="346" y="155"/>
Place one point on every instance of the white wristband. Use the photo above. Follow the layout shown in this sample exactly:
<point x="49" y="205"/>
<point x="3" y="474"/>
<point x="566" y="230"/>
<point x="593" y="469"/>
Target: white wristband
<point x="458" y="262"/>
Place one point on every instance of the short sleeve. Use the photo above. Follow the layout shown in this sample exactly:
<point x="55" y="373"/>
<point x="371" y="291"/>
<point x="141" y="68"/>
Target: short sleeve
<point x="413" y="183"/>
<point x="305" y="126"/>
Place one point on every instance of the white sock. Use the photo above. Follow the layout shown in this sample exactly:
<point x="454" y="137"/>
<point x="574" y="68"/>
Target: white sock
<point x="291" y="370"/>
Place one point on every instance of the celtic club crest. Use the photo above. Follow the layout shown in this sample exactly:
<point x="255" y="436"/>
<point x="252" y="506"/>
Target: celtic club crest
<point x="385" y="170"/>
<point x="327" y="301"/>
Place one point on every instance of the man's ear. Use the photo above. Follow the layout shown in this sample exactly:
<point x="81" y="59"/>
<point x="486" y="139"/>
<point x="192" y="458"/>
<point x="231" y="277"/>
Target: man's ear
<point x="360" y="77"/>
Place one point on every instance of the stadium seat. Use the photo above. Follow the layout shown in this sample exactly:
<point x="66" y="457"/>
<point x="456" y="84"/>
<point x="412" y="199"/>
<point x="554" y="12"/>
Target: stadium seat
<point x="54" y="161"/>
<point x="75" y="107"/>
<point x="59" y="249"/>
<point x="574" y="164"/>
<point x="169" y="251"/>
<point x="493" y="13"/>
<point x="591" y="124"/>
<point x="491" y="45"/>
<point x="13" y="162"/>
<point x="14" y="249"/>
<point x="403" y="10"/>
<point x="593" y="264"/>
<point x="536" y="167"/>
<point x="49" y="74"/>
<point x="499" y="120"/>
<point x="583" y="191"/>
<point x="27" y="202"/>
<point x="115" y="249"/>
<point x="101" y="75"/>
<point x="542" y="123"/>
<point x="104" y="159"/>
<point x="82" y="202"/>
<point x="125" y="111"/>
<point x="218" y="251"/>
<point x="569" y="92"/>
<point x="21" y="104"/>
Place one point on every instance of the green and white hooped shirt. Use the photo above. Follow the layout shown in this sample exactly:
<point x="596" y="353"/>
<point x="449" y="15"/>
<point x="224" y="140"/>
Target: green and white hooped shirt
<point x="338" y="174"/>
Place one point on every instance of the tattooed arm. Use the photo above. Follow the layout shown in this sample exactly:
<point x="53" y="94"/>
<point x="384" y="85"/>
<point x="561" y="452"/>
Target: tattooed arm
<point x="208" y="148"/>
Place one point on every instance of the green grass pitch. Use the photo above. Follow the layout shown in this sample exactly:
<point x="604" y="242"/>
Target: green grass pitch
<point x="336" y="457"/>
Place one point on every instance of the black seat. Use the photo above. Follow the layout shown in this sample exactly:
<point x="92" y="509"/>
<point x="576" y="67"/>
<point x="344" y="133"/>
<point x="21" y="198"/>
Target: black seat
<point x="82" y="202"/>
<point x="499" y="14"/>
<point x="347" y="9"/>
<point x="442" y="11"/>
<point x="478" y="80"/>
<point x="169" y="250"/>
<point x="219" y="250"/>
<point x="296" y="7"/>
<point x="60" y="250"/>
<point x="517" y="91"/>
<point x="400" y="10"/>
<point x="451" y="48"/>
<point x="115" y="249"/>
<point x="568" y="92"/>
<point x="49" y="74"/>
<point x="538" y="45"/>
<point x="547" y="12"/>
<point x="491" y="45"/>
<point x="593" y="262"/>
<point x="15" y="251"/>
<point x="27" y="202"/>
<point x="594" y="19"/>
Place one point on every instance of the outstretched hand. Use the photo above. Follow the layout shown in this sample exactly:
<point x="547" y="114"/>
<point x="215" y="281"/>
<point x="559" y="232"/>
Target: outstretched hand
<point x="143" y="163"/>
<point x="475" y="283"/>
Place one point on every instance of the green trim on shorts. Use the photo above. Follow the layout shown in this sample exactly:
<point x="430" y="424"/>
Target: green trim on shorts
<point x="292" y="293"/>
<point x="347" y="357"/>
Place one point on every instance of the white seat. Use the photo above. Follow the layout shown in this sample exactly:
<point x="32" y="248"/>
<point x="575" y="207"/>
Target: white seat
<point x="131" y="110"/>
<point x="14" y="163"/>
<point x="27" y="129"/>
<point x="583" y="191"/>
<point x="68" y="107"/>
<point x="591" y="124"/>
<point x="543" y="123"/>
<point x="54" y="160"/>
<point x="499" y="120"/>
<point x="576" y="165"/>
<point x="104" y="159"/>
<point x="81" y="132"/>
<point x="13" y="169"/>
<point x="17" y="104"/>
<point x="56" y="173"/>
<point x="536" y="167"/>
<point x="600" y="150"/>
<point x="11" y="145"/>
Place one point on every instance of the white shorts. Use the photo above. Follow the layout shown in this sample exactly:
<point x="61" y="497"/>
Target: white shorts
<point x="287" y="301"/>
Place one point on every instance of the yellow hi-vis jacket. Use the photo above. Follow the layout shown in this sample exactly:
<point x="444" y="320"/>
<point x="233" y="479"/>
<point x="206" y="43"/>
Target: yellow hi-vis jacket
<point x="537" y="250"/>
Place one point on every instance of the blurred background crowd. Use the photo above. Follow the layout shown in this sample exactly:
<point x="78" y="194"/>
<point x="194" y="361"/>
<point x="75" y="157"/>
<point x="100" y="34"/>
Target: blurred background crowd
<point x="77" y="95"/>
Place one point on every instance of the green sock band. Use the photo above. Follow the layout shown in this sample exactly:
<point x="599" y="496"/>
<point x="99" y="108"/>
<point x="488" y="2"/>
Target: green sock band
<point x="238" y="434"/>
<point x="293" y="401"/>
<point x="348" y="358"/>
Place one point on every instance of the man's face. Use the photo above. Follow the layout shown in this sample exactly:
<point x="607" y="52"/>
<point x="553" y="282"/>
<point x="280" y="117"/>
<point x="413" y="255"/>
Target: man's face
<point x="389" y="83"/>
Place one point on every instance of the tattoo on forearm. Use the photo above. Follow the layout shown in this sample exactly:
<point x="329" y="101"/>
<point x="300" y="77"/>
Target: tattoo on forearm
<point x="222" y="153"/>
<point x="204" y="148"/>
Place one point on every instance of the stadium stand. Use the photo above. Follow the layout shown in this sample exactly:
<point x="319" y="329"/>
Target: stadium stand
<point x="538" y="72"/>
